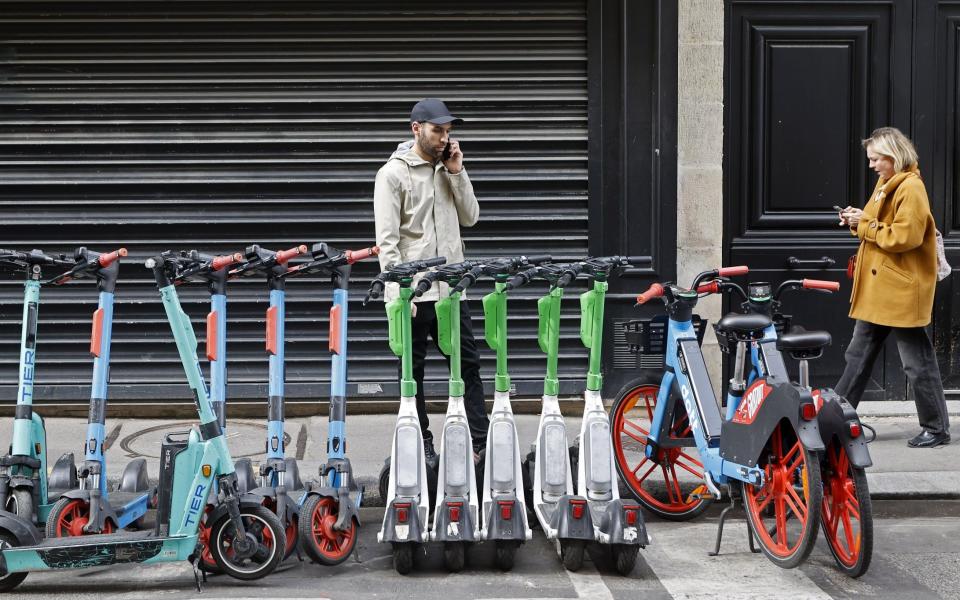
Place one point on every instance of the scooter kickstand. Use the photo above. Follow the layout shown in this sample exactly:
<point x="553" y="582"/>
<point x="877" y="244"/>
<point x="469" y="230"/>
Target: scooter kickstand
<point x="195" y="562"/>
<point x="723" y="518"/>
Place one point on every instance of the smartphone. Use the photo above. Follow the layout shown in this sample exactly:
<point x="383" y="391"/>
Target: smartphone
<point x="837" y="208"/>
<point x="446" y="152"/>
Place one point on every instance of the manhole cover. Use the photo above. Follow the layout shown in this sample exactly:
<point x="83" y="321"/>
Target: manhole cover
<point x="244" y="438"/>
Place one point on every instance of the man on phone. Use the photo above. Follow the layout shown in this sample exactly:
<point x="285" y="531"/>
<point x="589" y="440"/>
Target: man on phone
<point x="421" y="198"/>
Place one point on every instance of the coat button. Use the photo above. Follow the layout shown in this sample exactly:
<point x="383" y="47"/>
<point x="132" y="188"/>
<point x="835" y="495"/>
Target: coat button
<point x="874" y="271"/>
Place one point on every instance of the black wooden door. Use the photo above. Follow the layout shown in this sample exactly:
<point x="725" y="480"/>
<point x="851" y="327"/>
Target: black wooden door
<point x="935" y="132"/>
<point x="804" y="83"/>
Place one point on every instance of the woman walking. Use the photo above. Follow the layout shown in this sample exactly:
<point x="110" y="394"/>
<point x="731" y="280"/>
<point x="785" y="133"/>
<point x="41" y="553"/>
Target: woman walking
<point x="894" y="281"/>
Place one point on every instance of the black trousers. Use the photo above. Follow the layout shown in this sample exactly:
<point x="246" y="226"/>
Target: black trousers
<point x="424" y="326"/>
<point x="919" y="364"/>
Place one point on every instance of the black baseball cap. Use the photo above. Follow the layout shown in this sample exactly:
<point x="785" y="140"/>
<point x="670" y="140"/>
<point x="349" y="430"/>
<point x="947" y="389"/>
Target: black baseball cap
<point x="433" y="111"/>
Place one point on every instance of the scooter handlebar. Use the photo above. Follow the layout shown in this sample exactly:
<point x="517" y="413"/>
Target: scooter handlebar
<point x="654" y="291"/>
<point x="284" y="255"/>
<point x="107" y="258"/>
<point x="820" y="284"/>
<point x="536" y="259"/>
<point x="220" y="262"/>
<point x="358" y="255"/>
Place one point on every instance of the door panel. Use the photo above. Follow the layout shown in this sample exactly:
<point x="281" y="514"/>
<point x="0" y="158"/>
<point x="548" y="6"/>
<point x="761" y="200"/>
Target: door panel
<point x="804" y="84"/>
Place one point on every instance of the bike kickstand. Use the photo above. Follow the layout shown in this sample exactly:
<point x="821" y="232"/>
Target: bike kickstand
<point x="723" y="519"/>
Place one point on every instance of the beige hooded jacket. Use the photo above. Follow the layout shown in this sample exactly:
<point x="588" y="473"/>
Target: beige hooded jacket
<point x="418" y="209"/>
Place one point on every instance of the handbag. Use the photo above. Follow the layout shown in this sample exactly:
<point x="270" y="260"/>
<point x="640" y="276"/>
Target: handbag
<point x="943" y="267"/>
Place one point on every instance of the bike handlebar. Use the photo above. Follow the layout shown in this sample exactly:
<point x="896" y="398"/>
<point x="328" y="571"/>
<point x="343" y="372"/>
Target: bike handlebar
<point x="733" y="271"/>
<point x="358" y="255"/>
<point x="819" y="284"/>
<point x="285" y="255"/>
<point x="221" y="262"/>
<point x="654" y="291"/>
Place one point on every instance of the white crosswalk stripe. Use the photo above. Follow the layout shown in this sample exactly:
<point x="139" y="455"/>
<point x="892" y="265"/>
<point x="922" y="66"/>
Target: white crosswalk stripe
<point x="680" y="561"/>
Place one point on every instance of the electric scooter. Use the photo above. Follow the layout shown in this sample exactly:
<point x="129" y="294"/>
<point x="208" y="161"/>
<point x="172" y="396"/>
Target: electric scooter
<point x="456" y="519"/>
<point x="279" y="474"/>
<point x="91" y="508"/>
<point x="247" y="541"/>
<point x="616" y="524"/>
<point x="25" y="488"/>
<point x="330" y="508"/>
<point x="504" y="507"/>
<point x="214" y="270"/>
<point x="407" y="499"/>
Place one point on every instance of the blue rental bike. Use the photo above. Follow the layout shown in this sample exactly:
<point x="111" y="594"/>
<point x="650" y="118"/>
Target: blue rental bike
<point x="767" y="444"/>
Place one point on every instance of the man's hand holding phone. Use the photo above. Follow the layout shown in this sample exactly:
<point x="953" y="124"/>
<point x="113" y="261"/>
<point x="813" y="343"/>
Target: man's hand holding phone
<point x="453" y="157"/>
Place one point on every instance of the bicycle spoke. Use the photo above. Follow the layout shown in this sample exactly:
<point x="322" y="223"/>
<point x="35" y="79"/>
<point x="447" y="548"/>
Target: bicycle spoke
<point x="635" y="426"/>
<point x="634" y="437"/>
<point x="676" y="483"/>
<point x="666" y="479"/>
<point x="688" y="469"/>
<point x="795" y="503"/>
<point x="780" y="511"/>
<point x="647" y="474"/>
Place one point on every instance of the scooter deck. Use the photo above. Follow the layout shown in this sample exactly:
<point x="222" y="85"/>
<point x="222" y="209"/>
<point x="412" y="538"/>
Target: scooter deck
<point x="119" y="498"/>
<point x="92" y="540"/>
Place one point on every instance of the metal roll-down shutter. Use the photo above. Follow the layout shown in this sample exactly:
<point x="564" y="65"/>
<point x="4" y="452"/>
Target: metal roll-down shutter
<point x="212" y="125"/>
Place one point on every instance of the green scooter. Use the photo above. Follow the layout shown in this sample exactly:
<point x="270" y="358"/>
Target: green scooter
<point x="246" y="541"/>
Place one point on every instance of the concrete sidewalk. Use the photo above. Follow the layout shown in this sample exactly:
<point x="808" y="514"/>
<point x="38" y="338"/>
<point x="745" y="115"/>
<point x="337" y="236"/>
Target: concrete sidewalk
<point x="899" y="472"/>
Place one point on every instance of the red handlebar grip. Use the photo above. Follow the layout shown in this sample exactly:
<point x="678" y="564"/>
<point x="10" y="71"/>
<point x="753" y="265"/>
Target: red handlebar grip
<point x="357" y="255"/>
<point x="711" y="287"/>
<point x="654" y="291"/>
<point x="731" y="271"/>
<point x="284" y="255"/>
<point x="106" y="259"/>
<point x="819" y="284"/>
<point x="220" y="262"/>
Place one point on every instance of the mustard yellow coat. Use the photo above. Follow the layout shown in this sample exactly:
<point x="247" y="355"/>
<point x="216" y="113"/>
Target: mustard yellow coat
<point x="896" y="270"/>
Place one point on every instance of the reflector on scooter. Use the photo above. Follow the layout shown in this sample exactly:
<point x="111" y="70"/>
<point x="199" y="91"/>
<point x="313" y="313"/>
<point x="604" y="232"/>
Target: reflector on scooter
<point x="599" y="455"/>
<point x="555" y="449"/>
<point x="502" y="456"/>
<point x="455" y="457"/>
<point x="408" y="455"/>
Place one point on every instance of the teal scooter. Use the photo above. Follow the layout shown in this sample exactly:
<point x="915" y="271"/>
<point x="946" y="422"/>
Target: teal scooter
<point x="247" y="541"/>
<point x="25" y="488"/>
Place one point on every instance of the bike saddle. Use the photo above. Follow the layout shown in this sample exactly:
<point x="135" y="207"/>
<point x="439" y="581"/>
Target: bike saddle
<point x="749" y="326"/>
<point x="804" y="344"/>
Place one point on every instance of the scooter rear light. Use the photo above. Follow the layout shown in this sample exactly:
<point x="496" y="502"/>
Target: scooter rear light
<point x="576" y="508"/>
<point x="454" y="509"/>
<point x="808" y="411"/>
<point x="403" y="511"/>
<point x="506" y="509"/>
<point x="855" y="429"/>
<point x="630" y="514"/>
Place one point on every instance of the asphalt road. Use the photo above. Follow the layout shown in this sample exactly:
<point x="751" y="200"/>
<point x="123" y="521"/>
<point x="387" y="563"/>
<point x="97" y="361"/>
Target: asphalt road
<point x="916" y="556"/>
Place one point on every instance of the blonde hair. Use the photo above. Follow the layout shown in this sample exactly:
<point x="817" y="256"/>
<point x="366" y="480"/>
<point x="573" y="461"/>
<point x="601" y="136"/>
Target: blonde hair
<point x="890" y="142"/>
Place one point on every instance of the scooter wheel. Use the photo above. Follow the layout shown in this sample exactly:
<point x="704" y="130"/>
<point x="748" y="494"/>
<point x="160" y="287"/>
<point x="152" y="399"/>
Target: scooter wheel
<point x="506" y="553"/>
<point x="624" y="557"/>
<point x="383" y="483"/>
<point x="292" y="527"/>
<point x="263" y="528"/>
<point x="69" y="516"/>
<point x="206" y="563"/>
<point x="454" y="556"/>
<point x="403" y="557"/>
<point x="323" y="543"/>
<point x="846" y="513"/>
<point x="20" y="503"/>
<point x="571" y="553"/>
<point x="10" y="580"/>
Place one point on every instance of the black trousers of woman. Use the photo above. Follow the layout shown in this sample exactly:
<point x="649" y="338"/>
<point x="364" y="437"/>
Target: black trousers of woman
<point x="919" y="364"/>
